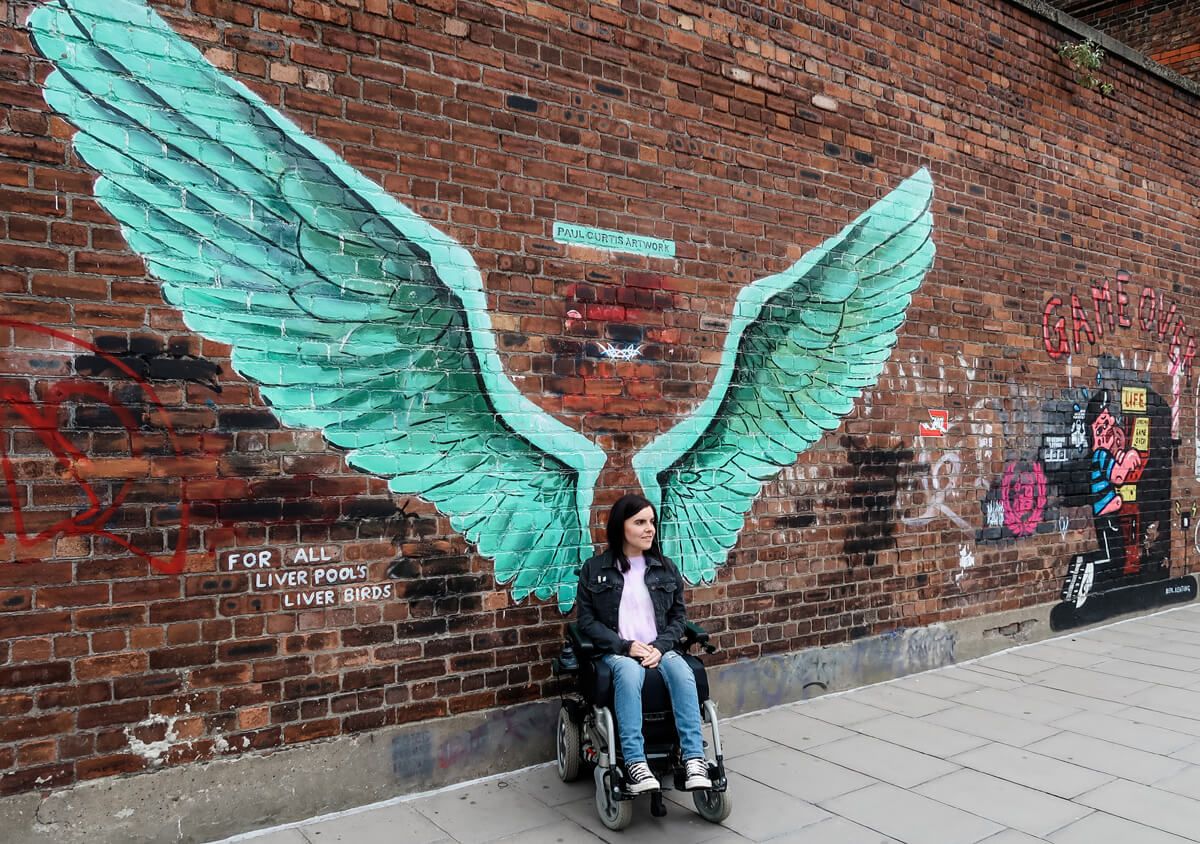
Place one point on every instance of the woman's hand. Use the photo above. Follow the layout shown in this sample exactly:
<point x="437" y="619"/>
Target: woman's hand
<point x="648" y="654"/>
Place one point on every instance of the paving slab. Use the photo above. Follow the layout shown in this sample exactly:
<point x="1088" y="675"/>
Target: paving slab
<point x="1151" y="807"/>
<point x="1056" y="653"/>
<point x="485" y="811"/>
<point x="834" y="830"/>
<point x="1089" y="738"/>
<point x="1039" y="694"/>
<point x="910" y="817"/>
<point x="760" y="813"/>
<point x="938" y="684"/>
<point x="1013" y="836"/>
<point x="790" y="727"/>
<point x="842" y="709"/>
<point x="1033" y="770"/>
<point x="884" y="761"/>
<point x="1121" y="729"/>
<point x="376" y="828"/>
<point x="992" y="726"/>
<point x="1101" y="827"/>
<point x="976" y="675"/>
<point x="895" y="698"/>
<point x="1007" y="803"/>
<point x="1107" y="757"/>
<point x="800" y="775"/>
<point x="919" y="734"/>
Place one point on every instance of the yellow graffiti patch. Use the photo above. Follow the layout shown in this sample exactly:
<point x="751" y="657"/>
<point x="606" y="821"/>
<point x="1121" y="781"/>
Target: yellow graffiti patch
<point x="1141" y="434"/>
<point x="1133" y="399"/>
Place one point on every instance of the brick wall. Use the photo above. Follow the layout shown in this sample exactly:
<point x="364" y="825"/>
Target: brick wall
<point x="1167" y="31"/>
<point x="141" y="624"/>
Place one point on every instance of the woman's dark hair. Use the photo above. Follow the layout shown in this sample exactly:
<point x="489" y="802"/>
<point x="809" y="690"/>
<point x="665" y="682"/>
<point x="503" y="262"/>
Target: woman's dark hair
<point x="627" y="507"/>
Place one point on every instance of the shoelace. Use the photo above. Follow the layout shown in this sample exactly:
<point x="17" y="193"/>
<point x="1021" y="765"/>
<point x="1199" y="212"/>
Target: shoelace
<point x="697" y="768"/>
<point x="639" y="772"/>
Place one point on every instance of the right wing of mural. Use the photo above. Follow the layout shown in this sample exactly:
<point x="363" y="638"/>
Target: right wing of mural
<point x="352" y="314"/>
<point x="802" y="347"/>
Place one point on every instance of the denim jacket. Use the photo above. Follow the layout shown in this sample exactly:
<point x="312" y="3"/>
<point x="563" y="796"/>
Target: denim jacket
<point x="598" y="601"/>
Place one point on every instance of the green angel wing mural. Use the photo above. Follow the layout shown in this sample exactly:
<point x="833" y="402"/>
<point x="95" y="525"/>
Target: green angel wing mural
<point x="356" y="317"/>
<point x="801" y="348"/>
<point x="352" y="314"/>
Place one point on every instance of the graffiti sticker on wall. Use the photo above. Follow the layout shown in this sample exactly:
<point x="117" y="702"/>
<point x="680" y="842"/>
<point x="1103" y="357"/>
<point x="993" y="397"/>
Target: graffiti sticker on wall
<point x="355" y="316"/>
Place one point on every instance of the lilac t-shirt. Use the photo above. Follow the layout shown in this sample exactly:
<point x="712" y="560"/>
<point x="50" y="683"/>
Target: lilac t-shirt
<point x="636" y="618"/>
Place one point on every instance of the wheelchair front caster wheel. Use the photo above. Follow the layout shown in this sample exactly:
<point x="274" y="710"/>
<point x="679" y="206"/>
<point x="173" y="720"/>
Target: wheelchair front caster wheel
<point x="568" y="746"/>
<point x="614" y="814"/>
<point x="714" y="806"/>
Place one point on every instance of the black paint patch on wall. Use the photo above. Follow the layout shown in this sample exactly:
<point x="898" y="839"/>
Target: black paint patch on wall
<point x="873" y="519"/>
<point x="145" y="357"/>
<point x="522" y="103"/>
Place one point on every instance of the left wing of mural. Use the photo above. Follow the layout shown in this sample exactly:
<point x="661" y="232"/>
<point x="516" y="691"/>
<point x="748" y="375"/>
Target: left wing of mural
<point x="351" y="312"/>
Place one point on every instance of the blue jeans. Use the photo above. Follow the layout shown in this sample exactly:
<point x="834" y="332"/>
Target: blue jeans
<point x="628" y="676"/>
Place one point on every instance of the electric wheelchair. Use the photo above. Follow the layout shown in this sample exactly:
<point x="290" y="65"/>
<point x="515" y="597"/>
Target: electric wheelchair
<point x="587" y="731"/>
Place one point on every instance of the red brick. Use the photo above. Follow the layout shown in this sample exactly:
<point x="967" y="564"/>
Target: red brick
<point x="110" y="666"/>
<point x="127" y="712"/>
<point x="22" y="728"/>
<point x="106" y="766"/>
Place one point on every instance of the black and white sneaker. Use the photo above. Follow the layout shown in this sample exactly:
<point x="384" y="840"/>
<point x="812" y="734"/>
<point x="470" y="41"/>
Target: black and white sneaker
<point x="639" y="778"/>
<point x="697" y="774"/>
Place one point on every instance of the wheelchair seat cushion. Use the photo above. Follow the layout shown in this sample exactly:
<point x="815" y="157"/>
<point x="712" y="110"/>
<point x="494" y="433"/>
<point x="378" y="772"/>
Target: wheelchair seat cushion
<point x="655" y="697"/>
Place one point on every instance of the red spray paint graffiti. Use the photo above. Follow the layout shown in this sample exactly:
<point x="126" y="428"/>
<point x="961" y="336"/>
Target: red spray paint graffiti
<point x="1024" y="497"/>
<point x="43" y="420"/>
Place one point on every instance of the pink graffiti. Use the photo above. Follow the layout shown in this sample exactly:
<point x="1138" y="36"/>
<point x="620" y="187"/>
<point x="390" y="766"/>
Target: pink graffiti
<point x="1024" y="498"/>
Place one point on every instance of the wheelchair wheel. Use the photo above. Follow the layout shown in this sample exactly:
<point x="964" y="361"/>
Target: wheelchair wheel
<point x="614" y="814"/>
<point x="714" y="806"/>
<point x="568" y="746"/>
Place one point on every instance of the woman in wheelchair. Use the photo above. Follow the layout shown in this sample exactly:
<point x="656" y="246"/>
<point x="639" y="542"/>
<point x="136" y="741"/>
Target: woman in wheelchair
<point x="630" y="603"/>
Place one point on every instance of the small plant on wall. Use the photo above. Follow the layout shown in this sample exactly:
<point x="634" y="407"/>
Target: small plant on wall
<point x="1085" y="59"/>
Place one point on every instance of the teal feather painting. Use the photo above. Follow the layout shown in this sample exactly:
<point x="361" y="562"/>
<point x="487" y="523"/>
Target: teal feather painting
<point x="354" y="316"/>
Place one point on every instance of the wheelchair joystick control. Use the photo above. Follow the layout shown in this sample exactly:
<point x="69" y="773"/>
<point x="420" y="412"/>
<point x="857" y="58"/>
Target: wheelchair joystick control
<point x="568" y="660"/>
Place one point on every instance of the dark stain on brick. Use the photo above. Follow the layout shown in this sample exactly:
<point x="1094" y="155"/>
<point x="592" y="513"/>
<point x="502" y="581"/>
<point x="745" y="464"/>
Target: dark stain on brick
<point x="145" y="346"/>
<point x="195" y="370"/>
<point x="252" y="650"/>
<point x="796" y="520"/>
<point x="247" y="420"/>
<point x="145" y="357"/>
<point x="872" y="493"/>
<point x="370" y="508"/>
<point x="96" y="416"/>
<point x="864" y="157"/>
<point x="93" y="366"/>
<point x="250" y="511"/>
<point x="522" y="103"/>
<point x="624" y="332"/>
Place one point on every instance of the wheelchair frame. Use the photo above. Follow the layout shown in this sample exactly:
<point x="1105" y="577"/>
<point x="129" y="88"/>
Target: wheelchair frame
<point x="586" y="735"/>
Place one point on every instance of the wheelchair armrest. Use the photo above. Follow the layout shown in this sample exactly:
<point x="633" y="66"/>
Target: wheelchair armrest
<point x="585" y="648"/>
<point x="693" y="634"/>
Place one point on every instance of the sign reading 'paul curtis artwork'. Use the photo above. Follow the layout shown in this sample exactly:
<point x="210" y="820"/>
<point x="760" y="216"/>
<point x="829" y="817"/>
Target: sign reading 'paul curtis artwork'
<point x="612" y="240"/>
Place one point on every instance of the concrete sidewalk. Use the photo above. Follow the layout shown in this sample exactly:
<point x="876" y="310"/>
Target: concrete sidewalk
<point x="1092" y="737"/>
